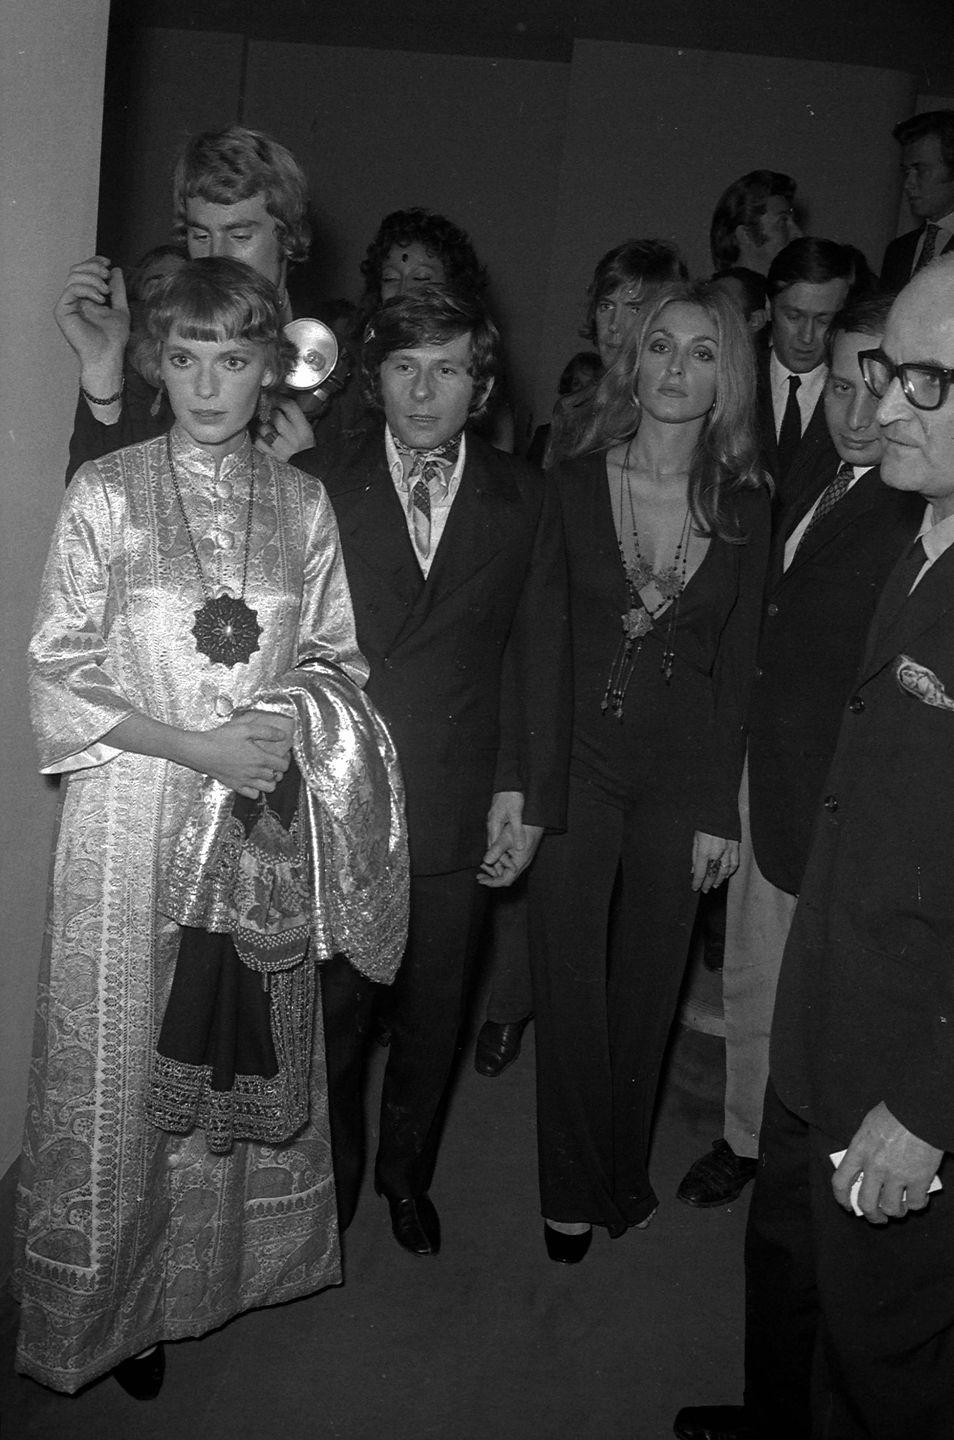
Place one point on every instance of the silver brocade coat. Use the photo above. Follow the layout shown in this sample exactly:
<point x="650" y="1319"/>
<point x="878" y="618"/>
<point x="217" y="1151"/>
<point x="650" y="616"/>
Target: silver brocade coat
<point x="127" y="1235"/>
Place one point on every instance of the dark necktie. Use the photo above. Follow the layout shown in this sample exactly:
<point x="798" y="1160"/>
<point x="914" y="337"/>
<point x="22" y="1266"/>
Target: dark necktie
<point x="790" y="431"/>
<point x="897" y="587"/>
<point x="830" y="496"/>
<point x="929" y="248"/>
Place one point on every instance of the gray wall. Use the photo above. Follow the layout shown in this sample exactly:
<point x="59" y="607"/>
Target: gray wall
<point x="51" y="93"/>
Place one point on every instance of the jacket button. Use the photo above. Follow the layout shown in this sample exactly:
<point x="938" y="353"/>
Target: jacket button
<point x="856" y="704"/>
<point x="771" y="608"/>
<point x="831" y="803"/>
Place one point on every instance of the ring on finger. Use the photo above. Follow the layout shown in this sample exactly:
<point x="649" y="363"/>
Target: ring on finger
<point x="712" y="868"/>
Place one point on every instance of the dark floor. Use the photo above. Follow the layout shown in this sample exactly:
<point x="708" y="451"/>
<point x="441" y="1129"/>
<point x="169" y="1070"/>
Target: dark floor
<point x="488" y="1341"/>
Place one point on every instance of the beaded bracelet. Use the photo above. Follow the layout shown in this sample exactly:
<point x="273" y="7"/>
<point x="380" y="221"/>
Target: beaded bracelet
<point x="109" y="399"/>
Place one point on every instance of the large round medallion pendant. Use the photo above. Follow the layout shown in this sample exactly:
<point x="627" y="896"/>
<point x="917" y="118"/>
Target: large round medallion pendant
<point x="226" y="630"/>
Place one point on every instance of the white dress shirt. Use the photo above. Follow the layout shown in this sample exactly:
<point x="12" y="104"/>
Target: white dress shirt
<point x="440" y="504"/>
<point x="808" y="393"/>
<point x="936" y="539"/>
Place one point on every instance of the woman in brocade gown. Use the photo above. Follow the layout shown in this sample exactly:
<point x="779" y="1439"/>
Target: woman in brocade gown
<point x="186" y="575"/>
<point x="667" y="524"/>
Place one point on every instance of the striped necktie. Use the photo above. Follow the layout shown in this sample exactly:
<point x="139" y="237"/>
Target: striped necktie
<point x="929" y="248"/>
<point x="427" y="474"/>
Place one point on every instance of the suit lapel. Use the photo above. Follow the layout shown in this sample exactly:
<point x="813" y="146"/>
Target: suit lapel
<point x="481" y="522"/>
<point x="859" y="499"/>
<point x="477" y="527"/>
<point x="765" y="414"/>
<point x="373" y="526"/>
<point x="900" y="618"/>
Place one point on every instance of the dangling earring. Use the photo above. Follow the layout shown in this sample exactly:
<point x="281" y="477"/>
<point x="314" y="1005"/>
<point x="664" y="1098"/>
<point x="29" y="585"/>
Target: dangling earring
<point x="264" y="407"/>
<point x="156" y="405"/>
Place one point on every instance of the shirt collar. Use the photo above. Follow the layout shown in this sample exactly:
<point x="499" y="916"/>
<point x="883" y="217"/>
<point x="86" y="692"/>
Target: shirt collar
<point x="945" y="223"/>
<point x="781" y="373"/>
<point x="937" y="538"/>
<point x="396" y="464"/>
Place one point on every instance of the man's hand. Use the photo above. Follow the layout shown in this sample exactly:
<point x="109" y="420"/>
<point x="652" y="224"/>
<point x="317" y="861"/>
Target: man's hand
<point x="896" y="1165"/>
<point x="285" y="432"/>
<point x="511" y="844"/>
<point x="93" y="315"/>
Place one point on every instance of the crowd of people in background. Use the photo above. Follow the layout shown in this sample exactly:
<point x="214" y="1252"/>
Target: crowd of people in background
<point x="325" y="668"/>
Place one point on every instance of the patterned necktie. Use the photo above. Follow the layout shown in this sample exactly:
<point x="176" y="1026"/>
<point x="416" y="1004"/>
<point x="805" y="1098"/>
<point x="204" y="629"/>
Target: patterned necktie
<point x="427" y="474"/>
<point x="790" y="430"/>
<point x="829" y="498"/>
<point x="928" y="249"/>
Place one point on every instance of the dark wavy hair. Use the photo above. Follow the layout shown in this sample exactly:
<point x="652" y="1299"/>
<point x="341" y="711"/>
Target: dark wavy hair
<point x="216" y="298"/>
<point x="651" y="262"/>
<point x="929" y="122"/>
<point x="726" y="458"/>
<point x="439" y="236"/>
<point x="226" y="166"/>
<point x="431" y="316"/>
<point x="809" y="260"/>
<point x="744" y="203"/>
<point x="863" y="315"/>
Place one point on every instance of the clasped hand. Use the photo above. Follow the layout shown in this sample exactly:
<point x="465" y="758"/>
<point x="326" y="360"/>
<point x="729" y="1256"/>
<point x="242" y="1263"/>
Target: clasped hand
<point x="250" y="752"/>
<point x="511" y="844"/>
<point x="896" y="1166"/>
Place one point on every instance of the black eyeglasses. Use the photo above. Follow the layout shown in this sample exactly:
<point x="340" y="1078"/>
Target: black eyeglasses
<point x="926" y="386"/>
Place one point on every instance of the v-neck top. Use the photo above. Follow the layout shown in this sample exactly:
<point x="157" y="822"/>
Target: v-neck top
<point x="683" y="737"/>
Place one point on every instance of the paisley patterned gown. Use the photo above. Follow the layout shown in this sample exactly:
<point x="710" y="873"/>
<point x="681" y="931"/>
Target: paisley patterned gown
<point x="127" y="1235"/>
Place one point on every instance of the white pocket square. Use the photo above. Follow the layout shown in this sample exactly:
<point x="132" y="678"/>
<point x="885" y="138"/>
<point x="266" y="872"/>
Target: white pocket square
<point x="922" y="683"/>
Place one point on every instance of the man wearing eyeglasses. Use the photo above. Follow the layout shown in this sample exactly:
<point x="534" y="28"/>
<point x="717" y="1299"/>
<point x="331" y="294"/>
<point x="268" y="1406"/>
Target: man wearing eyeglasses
<point x="849" y="1252"/>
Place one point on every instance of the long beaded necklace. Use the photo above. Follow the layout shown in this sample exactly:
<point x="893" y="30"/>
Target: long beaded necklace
<point x="638" y="619"/>
<point x="225" y="629"/>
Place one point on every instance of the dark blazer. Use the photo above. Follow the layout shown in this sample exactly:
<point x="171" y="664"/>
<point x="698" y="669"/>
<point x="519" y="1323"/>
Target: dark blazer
<point x="815" y="621"/>
<point x="899" y="257"/>
<point x="815" y="460"/>
<point x="471" y="667"/>
<point x="865" y="1007"/>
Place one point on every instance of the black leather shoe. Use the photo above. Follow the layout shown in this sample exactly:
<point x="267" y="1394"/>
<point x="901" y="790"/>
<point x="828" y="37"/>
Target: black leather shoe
<point x="713" y="1422"/>
<point x="498" y="1045"/>
<point x="716" y="1178"/>
<point x="416" y="1224"/>
<point x="566" y="1249"/>
<point x="142" y="1375"/>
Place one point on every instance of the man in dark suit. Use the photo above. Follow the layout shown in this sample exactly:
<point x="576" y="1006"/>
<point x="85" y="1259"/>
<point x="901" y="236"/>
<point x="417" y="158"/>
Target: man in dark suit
<point x="832" y="553"/>
<point x="849" y="1260"/>
<point x="454" y="554"/>
<point x="808" y="283"/>
<point x="927" y="160"/>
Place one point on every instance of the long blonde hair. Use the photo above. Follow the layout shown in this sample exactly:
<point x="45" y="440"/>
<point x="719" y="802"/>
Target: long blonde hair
<point x="726" y="457"/>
